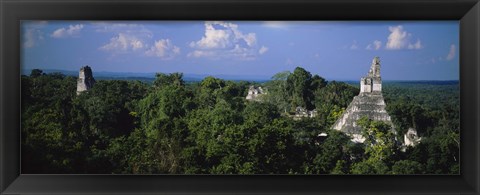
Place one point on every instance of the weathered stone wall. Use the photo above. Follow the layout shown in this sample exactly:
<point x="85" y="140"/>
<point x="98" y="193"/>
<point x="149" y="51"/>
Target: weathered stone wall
<point x="377" y="84"/>
<point x="370" y="105"/>
<point x="85" y="79"/>
<point x="365" y="85"/>
<point x="254" y="93"/>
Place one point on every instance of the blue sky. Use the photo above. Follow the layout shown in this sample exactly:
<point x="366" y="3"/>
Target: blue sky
<point x="341" y="50"/>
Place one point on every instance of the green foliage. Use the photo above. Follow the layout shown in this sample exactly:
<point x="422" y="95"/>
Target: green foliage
<point x="379" y="139"/>
<point x="370" y="166"/>
<point x="423" y="106"/>
<point x="277" y="91"/>
<point x="162" y="80"/>
<point x="36" y="73"/>
<point x="298" y="88"/>
<point x="405" y="167"/>
<point x="332" y="150"/>
<point x="332" y="100"/>
<point x="207" y="127"/>
<point x="340" y="168"/>
<point x="291" y="90"/>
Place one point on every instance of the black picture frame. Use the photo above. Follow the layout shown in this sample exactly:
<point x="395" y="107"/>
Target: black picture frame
<point x="13" y="11"/>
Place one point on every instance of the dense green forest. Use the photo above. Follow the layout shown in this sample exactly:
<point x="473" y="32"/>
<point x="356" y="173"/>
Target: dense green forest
<point x="175" y="127"/>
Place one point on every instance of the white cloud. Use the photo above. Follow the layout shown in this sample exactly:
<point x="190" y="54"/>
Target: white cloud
<point x="220" y="35"/>
<point x="354" y="45"/>
<point x="417" y="45"/>
<point x="397" y="38"/>
<point x="123" y="43"/>
<point x="216" y="38"/>
<point x="400" y="39"/>
<point x="200" y="53"/>
<point x="136" y="44"/>
<point x="32" y="33"/>
<point x="262" y="50"/>
<point x="128" y="37"/>
<point x="376" y="45"/>
<point x="163" y="49"/>
<point x="135" y="38"/>
<point x="31" y="37"/>
<point x="451" y="53"/>
<point x="72" y="30"/>
<point x="225" y="40"/>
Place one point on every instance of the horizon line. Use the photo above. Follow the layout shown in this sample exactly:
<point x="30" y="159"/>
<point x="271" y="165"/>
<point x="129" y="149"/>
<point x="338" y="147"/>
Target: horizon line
<point x="23" y="71"/>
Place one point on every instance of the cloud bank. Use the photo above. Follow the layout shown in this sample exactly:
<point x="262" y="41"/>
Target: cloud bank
<point x="401" y="39"/>
<point x="225" y="40"/>
<point x="72" y="30"/>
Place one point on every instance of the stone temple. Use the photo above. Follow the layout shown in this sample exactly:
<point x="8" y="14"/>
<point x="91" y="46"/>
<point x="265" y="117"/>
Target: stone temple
<point x="255" y="93"/>
<point x="85" y="79"/>
<point x="368" y="103"/>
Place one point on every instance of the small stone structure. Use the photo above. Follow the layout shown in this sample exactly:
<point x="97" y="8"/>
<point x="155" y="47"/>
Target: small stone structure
<point x="411" y="138"/>
<point x="85" y="79"/>
<point x="255" y="93"/>
<point x="368" y="103"/>
<point x="301" y="112"/>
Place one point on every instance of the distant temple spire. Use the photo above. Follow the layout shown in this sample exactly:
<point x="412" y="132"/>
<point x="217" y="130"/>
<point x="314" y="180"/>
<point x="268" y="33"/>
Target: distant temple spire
<point x="85" y="79"/>
<point x="375" y="68"/>
<point x="372" y="83"/>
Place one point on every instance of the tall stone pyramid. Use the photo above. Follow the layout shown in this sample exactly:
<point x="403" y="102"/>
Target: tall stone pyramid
<point x="368" y="103"/>
<point x="85" y="79"/>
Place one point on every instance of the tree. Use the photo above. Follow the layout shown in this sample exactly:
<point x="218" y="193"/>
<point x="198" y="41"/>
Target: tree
<point x="298" y="88"/>
<point x="379" y="139"/>
<point x="170" y="79"/>
<point x="407" y="167"/>
<point x="340" y="168"/>
<point x="380" y="147"/>
<point x="36" y="73"/>
<point x="46" y="133"/>
<point x="370" y="166"/>
<point x="335" y="93"/>
<point x="260" y="113"/>
<point x="318" y="83"/>
<point x="277" y="91"/>
<point x="213" y="135"/>
<point x="160" y="139"/>
<point x="273" y="149"/>
<point x="332" y="100"/>
<point x="208" y="92"/>
<point x="208" y="127"/>
<point x="331" y="150"/>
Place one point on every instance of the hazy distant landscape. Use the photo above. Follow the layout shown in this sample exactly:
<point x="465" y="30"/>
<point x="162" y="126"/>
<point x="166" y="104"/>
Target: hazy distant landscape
<point x="150" y="77"/>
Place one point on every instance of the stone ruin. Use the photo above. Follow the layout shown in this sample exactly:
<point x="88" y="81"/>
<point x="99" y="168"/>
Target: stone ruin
<point x="411" y="138"/>
<point x="368" y="103"/>
<point x="85" y="79"/>
<point x="301" y="112"/>
<point x="255" y="93"/>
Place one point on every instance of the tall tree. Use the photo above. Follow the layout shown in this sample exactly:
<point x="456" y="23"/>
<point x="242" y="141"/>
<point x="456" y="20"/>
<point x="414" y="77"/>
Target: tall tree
<point x="298" y="88"/>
